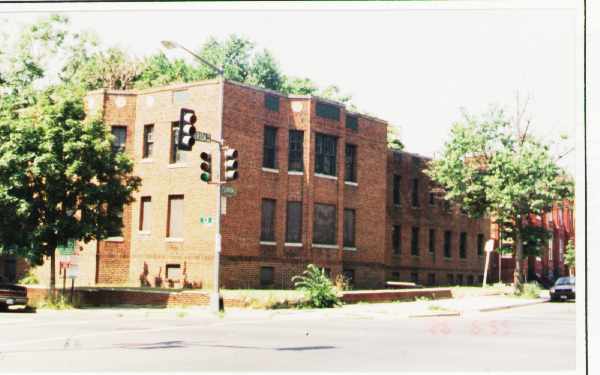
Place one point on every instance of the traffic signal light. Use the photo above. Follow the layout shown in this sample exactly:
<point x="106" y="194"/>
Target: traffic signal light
<point x="205" y="166"/>
<point x="185" y="136"/>
<point x="231" y="164"/>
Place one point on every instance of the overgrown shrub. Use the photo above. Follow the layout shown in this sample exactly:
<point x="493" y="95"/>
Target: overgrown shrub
<point x="530" y="290"/>
<point x="58" y="302"/>
<point x="342" y="282"/>
<point x="318" y="289"/>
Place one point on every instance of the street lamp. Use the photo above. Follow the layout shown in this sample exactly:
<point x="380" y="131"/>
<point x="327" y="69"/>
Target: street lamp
<point x="215" y="297"/>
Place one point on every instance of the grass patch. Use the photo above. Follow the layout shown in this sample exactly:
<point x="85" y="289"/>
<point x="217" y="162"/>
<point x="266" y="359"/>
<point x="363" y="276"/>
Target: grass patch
<point x="437" y="308"/>
<point x="530" y="290"/>
<point x="59" y="302"/>
<point x="265" y="298"/>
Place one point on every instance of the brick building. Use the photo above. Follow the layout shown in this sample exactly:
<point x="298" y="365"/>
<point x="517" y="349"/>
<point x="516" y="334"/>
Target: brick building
<point x="317" y="185"/>
<point x="550" y="264"/>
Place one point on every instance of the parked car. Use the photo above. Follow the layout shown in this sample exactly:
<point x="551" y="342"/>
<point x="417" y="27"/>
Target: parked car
<point x="563" y="289"/>
<point x="11" y="294"/>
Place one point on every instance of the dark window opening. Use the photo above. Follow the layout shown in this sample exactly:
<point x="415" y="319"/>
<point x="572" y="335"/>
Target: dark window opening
<point x="176" y="155"/>
<point x="396" y="276"/>
<point x="480" y="244"/>
<point x="396" y="239"/>
<point x="447" y="244"/>
<point x="350" y="163"/>
<point x="396" y="189"/>
<point x="272" y="102"/>
<point x="415" y="193"/>
<point x="414" y="277"/>
<point x="431" y="279"/>
<point x="463" y="245"/>
<point x="270" y="147"/>
<point x="328" y="111"/>
<point x="352" y="122"/>
<point x="459" y="279"/>
<point x="267" y="276"/>
<point x="349" y="227"/>
<point x="450" y="279"/>
<point x="326" y="154"/>
<point x="294" y="222"/>
<point x="120" y="134"/>
<point x="470" y="280"/>
<point x="432" y="240"/>
<point x="296" y="151"/>
<point x="414" y="245"/>
<point x="349" y="275"/>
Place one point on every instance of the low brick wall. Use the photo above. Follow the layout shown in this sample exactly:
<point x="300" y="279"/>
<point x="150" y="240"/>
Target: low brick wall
<point x="395" y="295"/>
<point x="115" y="297"/>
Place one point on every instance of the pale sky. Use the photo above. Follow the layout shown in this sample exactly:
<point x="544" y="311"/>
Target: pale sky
<point x="414" y="65"/>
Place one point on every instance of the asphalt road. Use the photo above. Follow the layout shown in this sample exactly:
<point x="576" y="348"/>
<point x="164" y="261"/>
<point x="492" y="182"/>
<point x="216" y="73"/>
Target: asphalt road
<point x="538" y="337"/>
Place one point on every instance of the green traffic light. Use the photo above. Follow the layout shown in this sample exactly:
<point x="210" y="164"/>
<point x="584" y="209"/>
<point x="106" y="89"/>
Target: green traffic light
<point x="205" y="177"/>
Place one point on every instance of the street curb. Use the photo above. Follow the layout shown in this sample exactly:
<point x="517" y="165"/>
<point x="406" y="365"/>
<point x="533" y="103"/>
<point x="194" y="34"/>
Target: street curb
<point x="506" y="307"/>
<point x="434" y="315"/>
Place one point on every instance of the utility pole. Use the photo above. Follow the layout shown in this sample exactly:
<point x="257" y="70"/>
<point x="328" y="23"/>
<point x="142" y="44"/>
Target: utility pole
<point x="215" y="298"/>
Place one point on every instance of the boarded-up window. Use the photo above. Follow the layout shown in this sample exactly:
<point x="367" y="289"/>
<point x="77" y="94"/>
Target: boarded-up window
<point x="325" y="224"/>
<point x="270" y="147"/>
<point x="175" y="224"/>
<point x="350" y="163"/>
<point x="447" y="244"/>
<point x="396" y="239"/>
<point x="148" y="141"/>
<point x="396" y="189"/>
<point x="326" y="154"/>
<point x="145" y="214"/>
<point x="349" y="227"/>
<point x="267" y="227"/>
<point x="296" y="151"/>
<point x="294" y="222"/>
<point x="120" y="134"/>
<point x="414" y="243"/>
<point x="463" y="245"/>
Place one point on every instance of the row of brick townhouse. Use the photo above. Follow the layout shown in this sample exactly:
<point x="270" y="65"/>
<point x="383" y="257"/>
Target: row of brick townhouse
<point x="549" y="264"/>
<point x="317" y="184"/>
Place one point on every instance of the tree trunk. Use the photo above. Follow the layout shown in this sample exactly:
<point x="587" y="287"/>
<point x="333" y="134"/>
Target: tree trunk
<point x="518" y="274"/>
<point x="52" y="271"/>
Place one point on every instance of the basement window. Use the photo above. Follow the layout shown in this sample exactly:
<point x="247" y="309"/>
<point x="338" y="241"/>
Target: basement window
<point x="267" y="276"/>
<point x="173" y="272"/>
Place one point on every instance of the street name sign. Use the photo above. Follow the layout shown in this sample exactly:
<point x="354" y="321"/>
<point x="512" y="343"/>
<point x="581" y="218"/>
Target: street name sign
<point x="228" y="191"/>
<point x="202" y="137"/>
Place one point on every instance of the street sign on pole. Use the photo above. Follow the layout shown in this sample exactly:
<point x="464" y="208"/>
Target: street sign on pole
<point x="228" y="191"/>
<point x="203" y="137"/>
<point x="489" y="247"/>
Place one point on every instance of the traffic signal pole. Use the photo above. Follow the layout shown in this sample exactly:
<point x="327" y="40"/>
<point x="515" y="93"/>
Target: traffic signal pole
<point x="215" y="297"/>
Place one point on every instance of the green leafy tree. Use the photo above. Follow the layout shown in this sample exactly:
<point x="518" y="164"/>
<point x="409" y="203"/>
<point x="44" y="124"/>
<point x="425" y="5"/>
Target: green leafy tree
<point x="490" y="166"/>
<point x="570" y="256"/>
<point x="59" y="177"/>
<point x="393" y="139"/>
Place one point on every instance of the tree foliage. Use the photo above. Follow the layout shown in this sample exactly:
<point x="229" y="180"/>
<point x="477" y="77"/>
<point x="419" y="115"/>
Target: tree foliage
<point x="59" y="176"/>
<point x="570" y="254"/>
<point x="490" y="167"/>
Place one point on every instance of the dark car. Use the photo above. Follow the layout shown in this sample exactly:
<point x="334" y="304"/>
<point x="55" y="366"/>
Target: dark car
<point x="11" y="294"/>
<point x="563" y="289"/>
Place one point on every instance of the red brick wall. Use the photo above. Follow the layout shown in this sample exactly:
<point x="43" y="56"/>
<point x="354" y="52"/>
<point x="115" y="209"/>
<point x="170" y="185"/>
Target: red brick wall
<point x="428" y="217"/>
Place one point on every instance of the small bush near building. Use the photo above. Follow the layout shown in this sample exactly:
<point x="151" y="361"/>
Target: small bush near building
<point x="530" y="290"/>
<point x="318" y="289"/>
<point x="29" y="279"/>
